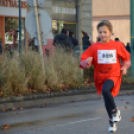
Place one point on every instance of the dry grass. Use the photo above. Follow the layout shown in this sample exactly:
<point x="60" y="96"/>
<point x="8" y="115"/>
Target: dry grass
<point x="128" y="79"/>
<point x="12" y="77"/>
<point x="24" y="74"/>
<point x="62" y="70"/>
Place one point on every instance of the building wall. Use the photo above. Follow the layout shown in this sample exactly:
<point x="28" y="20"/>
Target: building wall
<point x="87" y="17"/>
<point x="117" y="12"/>
<point x="12" y="11"/>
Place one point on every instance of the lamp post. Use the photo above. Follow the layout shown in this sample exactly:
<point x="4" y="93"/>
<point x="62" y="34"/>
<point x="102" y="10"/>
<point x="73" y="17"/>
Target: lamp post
<point x="132" y="34"/>
<point x="19" y="26"/>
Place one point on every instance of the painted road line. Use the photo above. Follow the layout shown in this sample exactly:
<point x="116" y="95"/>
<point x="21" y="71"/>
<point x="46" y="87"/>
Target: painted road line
<point x="90" y="119"/>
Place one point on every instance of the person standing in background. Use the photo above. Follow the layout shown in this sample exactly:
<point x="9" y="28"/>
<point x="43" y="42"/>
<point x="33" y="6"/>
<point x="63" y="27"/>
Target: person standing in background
<point x="85" y="39"/>
<point x="128" y="47"/>
<point x="63" y="39"/>
<point x="74" y="41"/>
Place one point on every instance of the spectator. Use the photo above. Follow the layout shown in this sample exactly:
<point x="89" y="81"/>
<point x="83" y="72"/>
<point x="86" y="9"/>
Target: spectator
<point x="85" y="39"/>
<point x="117" y="39"/>
<point x="63" y="39"/>
<point x="74" y="41"/>
<point x="128" y="47"/>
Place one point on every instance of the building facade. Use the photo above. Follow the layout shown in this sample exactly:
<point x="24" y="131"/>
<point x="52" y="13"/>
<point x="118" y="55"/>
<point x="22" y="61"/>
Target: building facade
<point x="64" y="13"/>
<point x="118" y="13"/>
<point x="9" y="21"/>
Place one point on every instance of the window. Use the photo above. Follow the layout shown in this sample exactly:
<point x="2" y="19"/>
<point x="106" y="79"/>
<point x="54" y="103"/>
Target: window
<point x="58" y="25"/>
<point x="12" y="32"/>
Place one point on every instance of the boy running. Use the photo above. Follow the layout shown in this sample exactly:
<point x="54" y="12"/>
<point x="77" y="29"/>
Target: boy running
<point x="105" y="56"/>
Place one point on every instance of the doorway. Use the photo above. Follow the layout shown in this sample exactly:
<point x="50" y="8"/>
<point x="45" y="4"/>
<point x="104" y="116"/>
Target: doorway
<point x="58" y="25"/>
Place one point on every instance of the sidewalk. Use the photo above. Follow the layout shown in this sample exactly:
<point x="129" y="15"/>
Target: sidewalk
<point x="55" y="97"/>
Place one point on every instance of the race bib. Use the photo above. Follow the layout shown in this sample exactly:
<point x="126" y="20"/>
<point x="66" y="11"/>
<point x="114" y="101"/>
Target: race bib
<point x="106" y="56"/>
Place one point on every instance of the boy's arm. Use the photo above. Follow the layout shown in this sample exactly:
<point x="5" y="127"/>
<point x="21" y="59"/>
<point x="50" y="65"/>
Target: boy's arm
<point x="86" y="64"/>
<point x="125" y="58"/>
<point x="87" y="58"/>
<point x="126" y="64"/>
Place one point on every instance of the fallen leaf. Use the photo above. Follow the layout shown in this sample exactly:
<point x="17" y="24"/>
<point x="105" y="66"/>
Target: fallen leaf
<point x="85" y="83"/>
<point x="132" y="119"/>
<point x="81" y="99"/>
<point x="126" y="107"/>
<point x="88" y="80"/>
<point x="44" y="104"/>
<point x="47" y="92"/>
<point x="66" y="89"/>
<point x="34" y="91"/>
<point x="13" y="108"/>
<point x="19" y="94"/>
<point x="127" y="102"/>
<point x="36" y="128"/>
<point x="5" y="126"/>
<point x="1" y="93"/>
<point x="92" y="84"/>
<point x="21" y="108"/>
<point x="73" y="101"/>
<point x="4" y="110"/>
<point x="128" y="94"/>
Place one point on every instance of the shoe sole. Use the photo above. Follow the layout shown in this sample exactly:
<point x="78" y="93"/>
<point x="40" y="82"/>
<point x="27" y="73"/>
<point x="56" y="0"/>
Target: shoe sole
<point x="119" y="119"/>
<point x="112" y="131"/>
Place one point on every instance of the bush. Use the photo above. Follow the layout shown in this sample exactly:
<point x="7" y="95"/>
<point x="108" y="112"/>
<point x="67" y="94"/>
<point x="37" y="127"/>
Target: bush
<point x="12" y="78"/>
<point x="24" y="74"/>
<point x="128" y="78"/>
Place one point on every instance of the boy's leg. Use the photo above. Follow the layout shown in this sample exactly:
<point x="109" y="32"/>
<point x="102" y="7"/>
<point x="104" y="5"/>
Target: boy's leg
<point x="108" y="108"/>
<point x="106" y="92"/>
<point x="112" y="125"/>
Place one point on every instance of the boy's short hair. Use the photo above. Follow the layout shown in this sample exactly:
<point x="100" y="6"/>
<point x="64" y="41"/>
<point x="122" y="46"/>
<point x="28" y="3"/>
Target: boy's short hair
<point x="105" y="23"/>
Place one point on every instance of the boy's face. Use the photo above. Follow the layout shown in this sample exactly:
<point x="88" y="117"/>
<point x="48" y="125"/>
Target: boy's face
<point x="104" y="34"/>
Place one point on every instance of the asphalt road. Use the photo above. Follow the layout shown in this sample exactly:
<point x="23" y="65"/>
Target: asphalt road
<point x="83" y="117"/>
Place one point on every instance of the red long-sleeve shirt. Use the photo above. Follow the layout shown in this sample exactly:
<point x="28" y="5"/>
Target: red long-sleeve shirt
<point x="106" y="61"/>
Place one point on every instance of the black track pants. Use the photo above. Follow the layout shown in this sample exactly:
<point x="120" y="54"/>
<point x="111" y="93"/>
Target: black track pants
<point x="108" y="97"/>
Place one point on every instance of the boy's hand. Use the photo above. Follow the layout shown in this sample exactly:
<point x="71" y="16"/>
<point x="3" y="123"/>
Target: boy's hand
<point x="89" y="60"/>
<point x="123" y="70"/>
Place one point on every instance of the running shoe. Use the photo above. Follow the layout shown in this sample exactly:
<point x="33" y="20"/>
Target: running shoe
<point x="112" y="127"/>
<point x="116" y="115"/>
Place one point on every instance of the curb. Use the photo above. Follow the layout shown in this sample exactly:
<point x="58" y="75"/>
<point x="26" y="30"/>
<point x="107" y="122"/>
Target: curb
<point x="55" y="94"/>
<point x="56" y="99"/>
